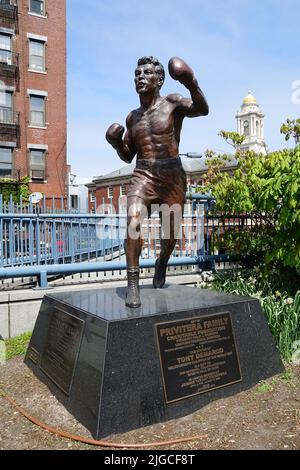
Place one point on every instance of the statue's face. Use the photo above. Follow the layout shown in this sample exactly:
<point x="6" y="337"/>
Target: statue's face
<point x="146" y="79"/>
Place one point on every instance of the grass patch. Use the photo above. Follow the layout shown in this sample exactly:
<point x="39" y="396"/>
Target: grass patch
<point x="17" y="346"/>
<point x="264" y="387"/>
<point x="288" y="378"/>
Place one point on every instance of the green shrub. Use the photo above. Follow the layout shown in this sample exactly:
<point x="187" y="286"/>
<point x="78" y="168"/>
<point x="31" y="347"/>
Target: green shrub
<point x="267" y="187"/>
<point x="282" y="312"/>
<point x="16" y="188"/>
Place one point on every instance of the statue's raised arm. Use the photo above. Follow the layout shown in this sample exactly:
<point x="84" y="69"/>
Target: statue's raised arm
<point x="182" y="72"/>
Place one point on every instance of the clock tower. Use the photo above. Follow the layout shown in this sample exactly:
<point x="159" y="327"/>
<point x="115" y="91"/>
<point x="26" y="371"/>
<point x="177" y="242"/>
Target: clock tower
<point x="250" y="123"/>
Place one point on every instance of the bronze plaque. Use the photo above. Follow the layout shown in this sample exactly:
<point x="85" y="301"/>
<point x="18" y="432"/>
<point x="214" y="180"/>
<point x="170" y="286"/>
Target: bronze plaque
<point x="197" y="355"/>
<point x="62" y="347"/>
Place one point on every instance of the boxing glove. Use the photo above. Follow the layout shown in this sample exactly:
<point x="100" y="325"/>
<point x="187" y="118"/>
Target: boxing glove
<point x="181" y="71"/>
<point x="114" y="134"/>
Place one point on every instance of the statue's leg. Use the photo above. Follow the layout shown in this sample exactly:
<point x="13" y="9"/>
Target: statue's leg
<point x="170" y="224"/>
<point x="135" y="214"/>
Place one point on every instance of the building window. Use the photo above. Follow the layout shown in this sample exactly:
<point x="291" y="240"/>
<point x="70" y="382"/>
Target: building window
<point x="246" y="128"/>
<point x="37" y="6"/>
<point x="74" y="201"/>
<point x="123" y="190"/>
<point x="37" y="111"/>
<point x="6" y="112"/>
<point x="92" y="196"/>
<point x="258" y="132"/>
<point x="110" y="192"/>
<point x="37" y="55"/>
<point x="37" y="164"/>
<point x="6" y="156"/>
<point x="5" y="49"/>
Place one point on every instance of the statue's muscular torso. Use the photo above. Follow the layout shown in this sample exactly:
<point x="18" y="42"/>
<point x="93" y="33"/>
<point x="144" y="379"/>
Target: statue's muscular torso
<point x="155" y="132"/>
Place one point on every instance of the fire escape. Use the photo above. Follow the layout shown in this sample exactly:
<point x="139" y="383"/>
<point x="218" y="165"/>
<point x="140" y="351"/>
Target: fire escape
<point x="9" y="14"/>
<point x="9" y="73"/>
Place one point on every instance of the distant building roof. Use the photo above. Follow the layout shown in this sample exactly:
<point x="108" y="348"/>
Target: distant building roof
<point x="193" y="165"/>
<point x="124" y="171"/>
<point x="75" y="180"/>
<point x="190" y="165"/>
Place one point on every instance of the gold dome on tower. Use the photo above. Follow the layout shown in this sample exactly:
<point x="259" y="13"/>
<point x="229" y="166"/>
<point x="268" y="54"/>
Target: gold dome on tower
<point x="249" y="99"/>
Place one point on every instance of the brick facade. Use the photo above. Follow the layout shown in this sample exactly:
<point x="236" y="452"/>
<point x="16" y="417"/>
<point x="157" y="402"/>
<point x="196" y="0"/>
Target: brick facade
<point x="102" y="195"/>
<point x="49" y="29"/>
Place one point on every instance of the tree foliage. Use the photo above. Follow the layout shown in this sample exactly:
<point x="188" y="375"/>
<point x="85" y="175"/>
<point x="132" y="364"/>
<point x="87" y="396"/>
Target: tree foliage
<point x="232" y="138"/>
<point x="267" y="188"/>
<point x="16" y="188"/>
<point x="291" y="129"/>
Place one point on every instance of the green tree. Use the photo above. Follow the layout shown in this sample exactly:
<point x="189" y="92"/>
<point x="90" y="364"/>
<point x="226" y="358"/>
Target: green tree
<point x="291" y="129"/>
<point x="267" y="188"/>
<point x="232" y="138"/>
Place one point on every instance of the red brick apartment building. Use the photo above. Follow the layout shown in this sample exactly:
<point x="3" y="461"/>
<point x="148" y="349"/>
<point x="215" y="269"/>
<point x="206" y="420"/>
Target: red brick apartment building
<point x="33" y="93"/>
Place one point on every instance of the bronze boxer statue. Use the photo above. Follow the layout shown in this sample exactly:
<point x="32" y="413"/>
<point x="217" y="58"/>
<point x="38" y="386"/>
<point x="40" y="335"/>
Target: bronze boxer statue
<point x="153" y="134"/>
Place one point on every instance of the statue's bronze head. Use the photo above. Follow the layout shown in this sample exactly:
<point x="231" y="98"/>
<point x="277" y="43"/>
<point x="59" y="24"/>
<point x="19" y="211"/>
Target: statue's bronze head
<point x="148" y="74"/>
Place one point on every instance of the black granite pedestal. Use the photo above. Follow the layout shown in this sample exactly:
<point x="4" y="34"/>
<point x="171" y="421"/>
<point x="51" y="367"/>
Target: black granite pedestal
<point x="117" y="369"/>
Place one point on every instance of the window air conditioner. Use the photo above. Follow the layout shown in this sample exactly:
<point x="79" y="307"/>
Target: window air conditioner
<point x="37" y="174"/>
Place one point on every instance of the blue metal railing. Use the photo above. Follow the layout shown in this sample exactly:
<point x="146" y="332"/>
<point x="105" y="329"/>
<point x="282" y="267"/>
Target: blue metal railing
<point x="36" y="243"/>
<point x="42" y="272"/>
<point x="30" y="239"/>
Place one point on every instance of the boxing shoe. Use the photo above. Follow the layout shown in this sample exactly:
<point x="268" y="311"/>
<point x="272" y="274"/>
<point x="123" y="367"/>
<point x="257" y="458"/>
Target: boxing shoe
<point x="160" y="273"/>
<point x="133" y="289"/>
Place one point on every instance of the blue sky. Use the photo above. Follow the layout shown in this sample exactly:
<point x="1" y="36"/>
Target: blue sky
<point x="232" y="45"/>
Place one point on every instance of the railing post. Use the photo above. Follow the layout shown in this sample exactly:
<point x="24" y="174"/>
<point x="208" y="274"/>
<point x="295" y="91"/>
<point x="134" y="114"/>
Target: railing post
<point x="2" y="241"/>
<point x="71" y="241"/>
<point x="54" y="242"/>
<point x="196" y="216"/>
<point x="211" y="264"/>
<point x="38" y="240"/>
<point x="11" y="241"/>
<point x="43" y="279"/>
<point x="201" y="215"/>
